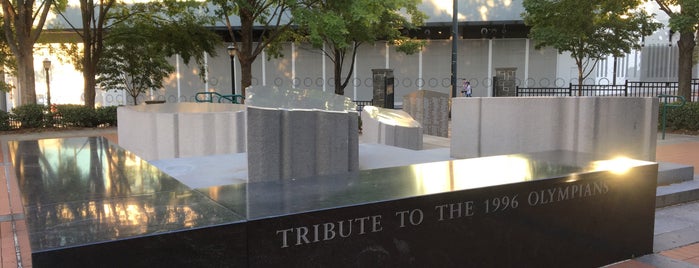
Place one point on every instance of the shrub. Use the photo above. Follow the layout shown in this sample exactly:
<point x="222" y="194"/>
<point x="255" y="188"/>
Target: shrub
<point x="681" y="118"/>
<point x="107" y="115"/>
<point x="31" y="115"/>
<point x="77" y="115"/>
<point x="4" y="120"/>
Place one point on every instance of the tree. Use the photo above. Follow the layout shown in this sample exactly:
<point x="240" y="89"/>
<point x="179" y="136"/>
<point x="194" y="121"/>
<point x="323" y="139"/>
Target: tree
<point x="98" y="17"/>
<point x="23" y="21"/>
<point x="133" y="64"/>
<point x="590" y="30"/>
<point x="685" y="21"/>
<point x="7" y="63"/>
<point x="135" y="54"/>
<point x="94" y="17"/>
<point x="269" y="15"/>
<point x="340" y="27"/>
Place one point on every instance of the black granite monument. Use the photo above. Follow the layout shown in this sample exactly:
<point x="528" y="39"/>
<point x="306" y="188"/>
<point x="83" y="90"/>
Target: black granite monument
<point x="89" y="203"/>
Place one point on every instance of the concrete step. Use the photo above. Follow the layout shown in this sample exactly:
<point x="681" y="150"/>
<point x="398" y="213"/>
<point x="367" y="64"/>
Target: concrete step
<point x="670" y="173"/>
<point x="677" y="193"/>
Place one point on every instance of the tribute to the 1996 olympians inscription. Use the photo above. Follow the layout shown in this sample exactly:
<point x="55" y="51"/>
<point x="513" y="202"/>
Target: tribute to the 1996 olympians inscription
<point x="568" y="192"/>
<point x="302" y="235"/>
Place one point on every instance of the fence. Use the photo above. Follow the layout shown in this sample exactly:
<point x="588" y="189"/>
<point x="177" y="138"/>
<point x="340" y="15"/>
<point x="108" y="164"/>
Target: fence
<point x="55" y="121"/>
<point x="628" y="89"/>
<point x="361" y="104"/>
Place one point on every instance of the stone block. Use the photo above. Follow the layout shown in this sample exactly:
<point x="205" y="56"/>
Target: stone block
<point x="430" y="109"/>
<point x="174" y="130"/>
<point x="391" y="127"/>
<point x="608" y="126"/>
<point x="295" y="133"/>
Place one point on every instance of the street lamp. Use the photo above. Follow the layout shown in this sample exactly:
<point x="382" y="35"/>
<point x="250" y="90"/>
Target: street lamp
<point x="232" y="51"/>
<point x="47" y="66"/>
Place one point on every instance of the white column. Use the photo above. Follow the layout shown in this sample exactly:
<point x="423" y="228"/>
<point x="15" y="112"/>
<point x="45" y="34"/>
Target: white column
<point x="177" y="67"/>
<point x="264" y="68"/>
<point x="354" y="77"/>
<point x="387" y="58"/>
<point x="419" y="69"/>
<point x="325" y="78"/>
<point x="490" y="67"/>
<point x="293" y="64"/>
<point x="526" y="63"/>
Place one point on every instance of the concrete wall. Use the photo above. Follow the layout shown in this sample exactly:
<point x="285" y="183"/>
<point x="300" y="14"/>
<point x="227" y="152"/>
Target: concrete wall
<point x="285" y="144"/>
<point x="607" y="126"/>
<point x="174" y="130"/>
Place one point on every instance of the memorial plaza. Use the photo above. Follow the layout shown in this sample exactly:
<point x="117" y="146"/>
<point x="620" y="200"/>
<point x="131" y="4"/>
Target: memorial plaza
<point x="676" y="233"/>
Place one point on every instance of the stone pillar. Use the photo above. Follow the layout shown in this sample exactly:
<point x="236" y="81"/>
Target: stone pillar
<point x="383" y="88"/>
<point x="285" y="144"/>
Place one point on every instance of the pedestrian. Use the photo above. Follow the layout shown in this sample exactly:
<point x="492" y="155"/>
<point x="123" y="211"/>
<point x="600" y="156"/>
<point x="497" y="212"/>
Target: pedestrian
<point x="466" y="90"/>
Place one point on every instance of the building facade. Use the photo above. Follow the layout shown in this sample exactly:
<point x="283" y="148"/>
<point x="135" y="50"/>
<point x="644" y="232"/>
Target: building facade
<point x="492" y="46"/>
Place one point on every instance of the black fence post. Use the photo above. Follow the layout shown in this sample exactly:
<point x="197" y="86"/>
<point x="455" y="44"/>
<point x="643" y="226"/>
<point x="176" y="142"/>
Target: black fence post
<point x="570" y="89"/>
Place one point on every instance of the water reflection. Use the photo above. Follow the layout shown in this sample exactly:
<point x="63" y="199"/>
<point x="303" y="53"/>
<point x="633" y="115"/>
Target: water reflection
<point x="83" y="190"/>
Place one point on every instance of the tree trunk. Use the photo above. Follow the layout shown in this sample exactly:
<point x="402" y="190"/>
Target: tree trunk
<point x="246" y="53"/>
<point x="686" y="46"/>
<point x="337" y="73"/>
<point x="580" y="76"/>
<point x="25" y="75"/>
<point x="89" y="86"/>
<point x="22" y="27"/>
<point x="23" y="48"/>
<point x="88" y="71"/>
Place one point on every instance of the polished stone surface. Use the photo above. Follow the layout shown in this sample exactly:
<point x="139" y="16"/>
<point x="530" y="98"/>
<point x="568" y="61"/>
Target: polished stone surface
<point x="88" y="203"/>
<point x="83" y="191"/>
<point x="537" y="214"/>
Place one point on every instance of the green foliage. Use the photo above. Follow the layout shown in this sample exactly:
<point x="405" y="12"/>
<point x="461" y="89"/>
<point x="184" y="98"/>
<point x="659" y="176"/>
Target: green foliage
<point x="135" y="56"/>
<point x="342" y="26"/>
<point x="684" y="19"/>
<point x="681" y="118"/>
<point x="73" y="115"/>
<point x="4" y="120"/>
<point x="107" y="115"/>
<point x="31" y="115"/>
<point x="590" y="30"/>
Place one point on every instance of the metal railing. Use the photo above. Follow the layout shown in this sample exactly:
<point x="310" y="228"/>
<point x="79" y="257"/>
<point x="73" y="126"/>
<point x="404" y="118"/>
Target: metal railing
<point x="361" y="104"/>
<point x="667" y="104"/>
<point x="216" y="97"/>
<point x="629" y="89"/>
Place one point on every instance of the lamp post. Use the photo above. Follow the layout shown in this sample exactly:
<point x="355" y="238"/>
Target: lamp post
<point x="47" y="66"/>
<point x="232" y="51"/>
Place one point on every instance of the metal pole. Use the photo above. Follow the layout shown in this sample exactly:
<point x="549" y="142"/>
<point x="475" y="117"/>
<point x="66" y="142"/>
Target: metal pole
<point x="454" y="36"/>
<point x="232" y="74"/>
<point x="48" y="89"/>
<point x="47" y="66"/>
<point x="614" y="71"/>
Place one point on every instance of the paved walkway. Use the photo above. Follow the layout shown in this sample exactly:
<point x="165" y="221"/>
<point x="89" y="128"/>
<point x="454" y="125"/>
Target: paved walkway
<point x="676" y="242"/>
